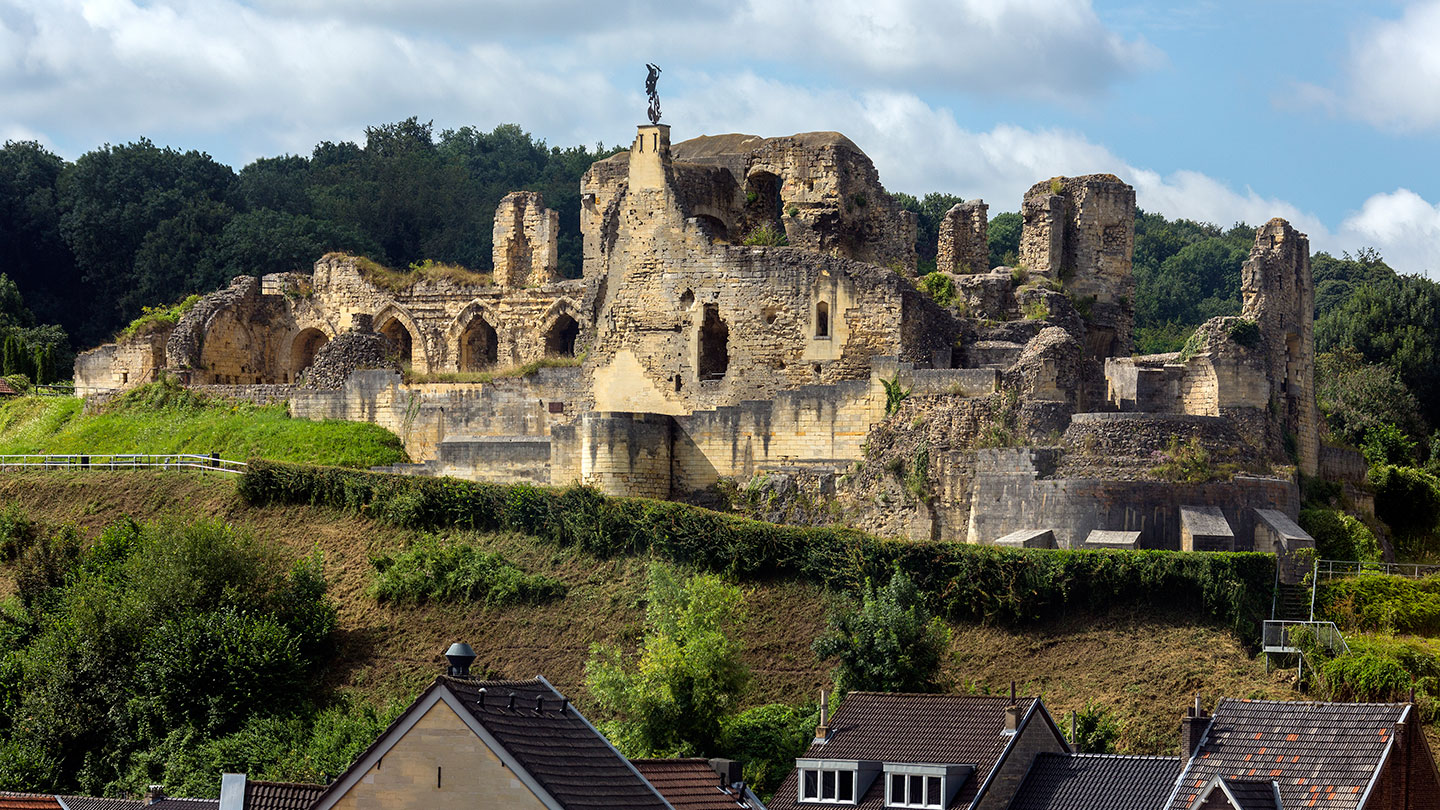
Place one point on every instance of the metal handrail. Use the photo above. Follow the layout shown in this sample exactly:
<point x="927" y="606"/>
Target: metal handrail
<point x="1275" y="636"/>
<point x="1344" y="567"/>
<point x="122" y="461"/>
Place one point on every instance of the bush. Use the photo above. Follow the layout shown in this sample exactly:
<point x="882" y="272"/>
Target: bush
<point x="1245" y="332"/>
<point x="1387" y="444"/>
<point x="939" y="287"/>
<point x="890" y="643"/>
<point x="1408" y="500"/>
<point x="767" y="739"/>
<point x="969" y="581"/>
<point x="1380" y="670"/>
<point x="1095" y="729"/>
<point x="767" y="236"/>
<point x="1340" y="536"/>
<point x="450" y="571"/>
<point x="1379" y="603"/>
<point x="688" y="678"/>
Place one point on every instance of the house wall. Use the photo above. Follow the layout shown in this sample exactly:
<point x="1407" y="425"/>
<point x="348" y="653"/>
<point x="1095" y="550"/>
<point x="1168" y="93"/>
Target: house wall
<point x="470" y="774"/>
<point x="1409" y="780"/>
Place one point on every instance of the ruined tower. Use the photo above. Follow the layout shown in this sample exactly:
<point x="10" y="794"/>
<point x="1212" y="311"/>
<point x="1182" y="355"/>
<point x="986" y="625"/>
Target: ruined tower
<point x="526" y="249"/>
<point x="964" y="239"/>
<point x="1279" y="297"/>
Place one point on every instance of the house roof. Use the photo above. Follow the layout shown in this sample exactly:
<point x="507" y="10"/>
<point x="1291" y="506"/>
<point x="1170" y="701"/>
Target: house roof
<point x="554" y="744"/>
<point x="1097" y="782"/>
<point x="689" y="784"/>
<point x="920" y="729"/>
<point x="28" y="801"/>
<point x="97" y="803"/>
<point x="1244" y="794"/>
<point x="261" y="795"/>
<point x="1323" y="756"/>
<point x="173" y="803"/>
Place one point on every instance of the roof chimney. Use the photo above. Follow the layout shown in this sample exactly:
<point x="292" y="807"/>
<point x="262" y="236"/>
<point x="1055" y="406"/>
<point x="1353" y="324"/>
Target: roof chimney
<point x="460" y="657"/>
<point x="728" y="770"/>
<point x="822" y="731"/>
<point x="154" y="794"/>
<point x="1012" y="713"/>
<point x="1192" y="728"/>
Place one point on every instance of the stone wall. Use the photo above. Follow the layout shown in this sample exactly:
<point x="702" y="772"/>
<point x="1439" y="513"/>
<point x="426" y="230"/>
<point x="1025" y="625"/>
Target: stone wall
<point x="964" y="239"/>
<point x="1009" y="494"/>
<point x="626" y="453"/>
<point x="424" y="415"/>
<point x="526" y="241"/>
<point x="123" y="364"/>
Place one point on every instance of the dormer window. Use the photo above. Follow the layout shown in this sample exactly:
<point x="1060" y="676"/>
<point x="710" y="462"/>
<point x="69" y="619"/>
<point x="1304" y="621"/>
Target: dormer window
<point x="834" y="785"/>
<point x="915" y="790"/>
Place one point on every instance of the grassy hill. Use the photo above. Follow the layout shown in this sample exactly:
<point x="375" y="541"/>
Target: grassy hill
<point x="165" y="419"/>
<point x="1143" y="665"/>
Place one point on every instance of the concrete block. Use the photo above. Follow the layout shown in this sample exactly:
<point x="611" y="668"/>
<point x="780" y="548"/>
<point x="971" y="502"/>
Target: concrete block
<point x="1101" y="539"/>
<point x="1204" y="528"/>
<point x="1028" y="538"/>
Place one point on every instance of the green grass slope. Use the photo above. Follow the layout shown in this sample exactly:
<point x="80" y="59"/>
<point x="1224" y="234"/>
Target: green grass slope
<point x="156" y="419"/>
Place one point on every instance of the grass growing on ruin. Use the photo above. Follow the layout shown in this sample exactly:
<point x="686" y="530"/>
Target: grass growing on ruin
<point x="239" y="431"/>
<point x="494" y="374"/>
<point x="153" y="319"/>
<point x="388" y="278"/>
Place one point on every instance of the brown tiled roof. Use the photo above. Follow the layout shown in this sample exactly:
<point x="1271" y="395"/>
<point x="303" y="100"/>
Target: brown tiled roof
<point x="1097" y="782"/>
<point x="174" y="803"/>
<point x="917" y="728"/>
<point x="260" y="795"/>
<point x="7" y="389"/>
<point x="689" y="784"/>
<point x="556" y="745"/>
<point x="28" y="801"/>
<point x="96" y="803"/>
<point x="1322" y="755"/>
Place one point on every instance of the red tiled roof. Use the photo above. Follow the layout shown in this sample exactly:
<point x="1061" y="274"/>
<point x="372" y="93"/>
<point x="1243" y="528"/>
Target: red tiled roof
<point x="28" y="801"/>
<point x="917" y="728"/>
<point x="7" y="389"/>
<point x="688" y="784"/>
<point x="1323" y="756"/>
<point x="1097" y="782"/>
<point x="261" y="795"/>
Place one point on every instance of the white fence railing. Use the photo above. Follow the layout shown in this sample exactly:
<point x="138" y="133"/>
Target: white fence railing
<point x="121" y="461"/>
<point x="1343" y="568"/>
<point x="1277" y="637"/>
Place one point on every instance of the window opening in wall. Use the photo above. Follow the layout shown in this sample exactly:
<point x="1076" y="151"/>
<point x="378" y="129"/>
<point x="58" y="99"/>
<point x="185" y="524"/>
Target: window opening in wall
<point x="687" y="299"/>
<point x="479" y="346"/>
<point x="827" y="785"/>
<point x="762" y="202"/>
<point x="677" y="383"/>
<point x="822" y="320"/>
<point x="400" y="338"/>
<point x="560" y="340"/>
<point x="714" y="358"/>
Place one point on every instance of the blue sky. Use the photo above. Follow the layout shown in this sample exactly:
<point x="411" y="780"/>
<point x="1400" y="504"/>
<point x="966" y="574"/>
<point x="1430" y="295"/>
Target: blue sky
<point x="1323" y="112"/>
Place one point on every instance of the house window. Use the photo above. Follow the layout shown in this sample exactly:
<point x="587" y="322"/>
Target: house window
<point x="915" y="790"/>
<point x="827" y="785"/>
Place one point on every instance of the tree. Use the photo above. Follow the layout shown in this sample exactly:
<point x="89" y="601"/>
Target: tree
<point x="1357" y="397"/>
<point x="1395" y="323"/>
<point x="32" y="251"/>
<point x="1004" y="239"/>
<point x="890" y="643"/>
<point x="688" y="677"/>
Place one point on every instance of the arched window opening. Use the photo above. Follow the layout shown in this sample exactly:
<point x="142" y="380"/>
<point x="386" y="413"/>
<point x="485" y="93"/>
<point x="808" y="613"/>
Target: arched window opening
<point x="560" y="340"/>
<point x="822" y="320"/>
<point x="714" y="358"/>
<point x="400" y="338"/>
<point x="302" y="352"/>
<point x="762" y="202"/>
<point x="713" y="228"/>
<point x="479" y="345"/>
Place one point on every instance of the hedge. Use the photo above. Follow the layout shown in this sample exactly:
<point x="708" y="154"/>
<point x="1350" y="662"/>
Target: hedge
<point x="965" y="581"/>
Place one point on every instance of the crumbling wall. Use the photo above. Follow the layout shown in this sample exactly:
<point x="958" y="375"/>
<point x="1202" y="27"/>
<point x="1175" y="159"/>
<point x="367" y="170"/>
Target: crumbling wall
<point x="964" y="239"/>
<point x="1279" y="296"/>
<point x="526" y="241"/>
<point x="123" y="364"/>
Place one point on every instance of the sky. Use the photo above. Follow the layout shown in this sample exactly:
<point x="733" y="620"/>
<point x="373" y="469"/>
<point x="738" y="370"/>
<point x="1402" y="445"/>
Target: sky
<point x="1326" y="113"/>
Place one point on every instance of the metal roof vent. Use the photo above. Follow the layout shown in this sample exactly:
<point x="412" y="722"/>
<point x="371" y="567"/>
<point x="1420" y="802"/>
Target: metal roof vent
<point x="460" y="656"/>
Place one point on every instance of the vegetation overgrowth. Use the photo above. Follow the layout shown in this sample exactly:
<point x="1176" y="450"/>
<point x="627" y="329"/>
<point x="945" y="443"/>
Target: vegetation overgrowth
<point x="453" y="570"/>
<point x="166" y="418"/>
<point x="963" y="581"/>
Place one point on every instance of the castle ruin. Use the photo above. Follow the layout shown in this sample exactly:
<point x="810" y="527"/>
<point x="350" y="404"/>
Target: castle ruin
<point x="748" y="312"/>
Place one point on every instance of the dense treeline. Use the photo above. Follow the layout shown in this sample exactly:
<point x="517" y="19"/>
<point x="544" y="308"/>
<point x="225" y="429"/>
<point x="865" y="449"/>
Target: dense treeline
<point x="91" y="242"/>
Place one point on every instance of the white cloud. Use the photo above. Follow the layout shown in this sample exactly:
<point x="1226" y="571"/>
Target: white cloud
<point x="1402" y="225"/>
<point x="1391" y="74"/>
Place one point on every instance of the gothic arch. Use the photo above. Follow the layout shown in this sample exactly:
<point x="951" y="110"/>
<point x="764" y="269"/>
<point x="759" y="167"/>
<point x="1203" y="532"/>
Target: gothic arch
<point x="394" y="322"/>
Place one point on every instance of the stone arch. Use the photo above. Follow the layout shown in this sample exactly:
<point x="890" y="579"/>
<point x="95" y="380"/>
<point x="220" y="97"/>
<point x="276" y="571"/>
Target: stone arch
<point x="479" y="345"/>
<point x="561" y="335"/>
<point x="399" y="326"/>
<point x="713" y="227"/>
<point x="455" y="334"/>
<point x="306" y="343"/>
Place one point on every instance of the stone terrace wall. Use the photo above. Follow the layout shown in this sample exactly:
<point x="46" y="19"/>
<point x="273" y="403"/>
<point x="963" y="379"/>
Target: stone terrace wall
<point x="1009" y="495"/>
<point x="425" y="415"/>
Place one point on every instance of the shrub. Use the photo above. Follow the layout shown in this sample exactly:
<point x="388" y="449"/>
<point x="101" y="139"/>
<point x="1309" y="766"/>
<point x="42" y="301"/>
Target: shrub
<point x="1387" y="444"/>
<point x="767" y="236"/>
<point x="1378" y="603"/>
<point x="1037" y="311"/>
<point x="451" y="571"/>
<point x="890" y="643"/>
<point x="1245" y="332"/>
<point x="17" y="532"/>
<point x="1339" y="536"/>
<point x="767" y="739"/>
<point x="1095" y="729"/>
<point x="939" y="287"/>
<point x="969" y="581"/>
<point x="1408" y="500"/>
<point x="688" y="677"/>
<point x="894" y="394"/>
<point x="153" y="319"/>
<point x="1187" y="463"/>
<point x="1377" y="669"/>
